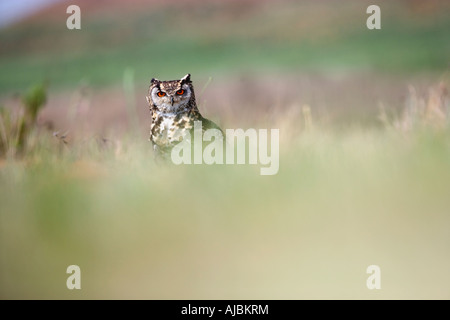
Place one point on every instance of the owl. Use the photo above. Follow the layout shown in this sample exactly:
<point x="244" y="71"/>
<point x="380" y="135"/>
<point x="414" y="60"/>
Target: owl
<point x="173" y="109"/>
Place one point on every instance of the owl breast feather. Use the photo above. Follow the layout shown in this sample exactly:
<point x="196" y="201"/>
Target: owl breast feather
<point x="169" y="130"/>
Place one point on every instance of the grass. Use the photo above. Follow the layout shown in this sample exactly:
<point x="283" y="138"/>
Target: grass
<point x="345" y="197"/>
<point x="104" y="67"/>
<point x="342" y="200"/>
<point x="221" y="43"/>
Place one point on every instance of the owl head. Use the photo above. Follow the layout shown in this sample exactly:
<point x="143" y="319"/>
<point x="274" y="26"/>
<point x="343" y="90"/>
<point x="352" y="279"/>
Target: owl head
<point x="171" y="96"/>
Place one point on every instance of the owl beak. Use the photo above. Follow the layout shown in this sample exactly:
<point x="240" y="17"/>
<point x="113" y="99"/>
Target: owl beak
<point x="171" y="100"/>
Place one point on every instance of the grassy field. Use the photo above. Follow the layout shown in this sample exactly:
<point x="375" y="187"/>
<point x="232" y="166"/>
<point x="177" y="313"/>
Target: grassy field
<point x="339" y="203"/>
<point x="363" y="177"/>
<point x="221" y="38"/>
<point x="342" y="200"/>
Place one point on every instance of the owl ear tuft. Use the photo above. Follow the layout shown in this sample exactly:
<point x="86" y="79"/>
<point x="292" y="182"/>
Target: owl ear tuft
<point x="186" y="78"/>
<point x="154" y="80"/>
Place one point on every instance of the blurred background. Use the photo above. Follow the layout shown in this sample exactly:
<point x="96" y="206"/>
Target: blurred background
<point x="298" y="52"/>
<point x="365" y="162"/>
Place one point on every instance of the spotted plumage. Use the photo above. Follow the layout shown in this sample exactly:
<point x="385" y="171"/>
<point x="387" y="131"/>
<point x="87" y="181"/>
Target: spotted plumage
<point x="174" y="110"/>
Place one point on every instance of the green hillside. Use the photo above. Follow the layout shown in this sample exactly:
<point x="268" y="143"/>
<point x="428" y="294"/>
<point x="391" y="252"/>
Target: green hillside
<point x="222" y="37"/>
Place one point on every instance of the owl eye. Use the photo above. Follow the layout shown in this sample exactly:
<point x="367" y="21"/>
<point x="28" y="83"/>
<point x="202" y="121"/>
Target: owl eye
<point x="161" y="94"/>
<point x="180" y="92"/>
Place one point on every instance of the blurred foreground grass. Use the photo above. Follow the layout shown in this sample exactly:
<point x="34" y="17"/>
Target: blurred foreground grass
<point x="343" y="199"/>
<point x="340" y="202"/>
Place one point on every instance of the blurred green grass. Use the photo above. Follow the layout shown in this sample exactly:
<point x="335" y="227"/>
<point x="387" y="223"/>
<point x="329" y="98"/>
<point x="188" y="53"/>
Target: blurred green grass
<point x="217" y="40"/>
<point x="138" y="230"/>
<point x="342" y="200"/>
